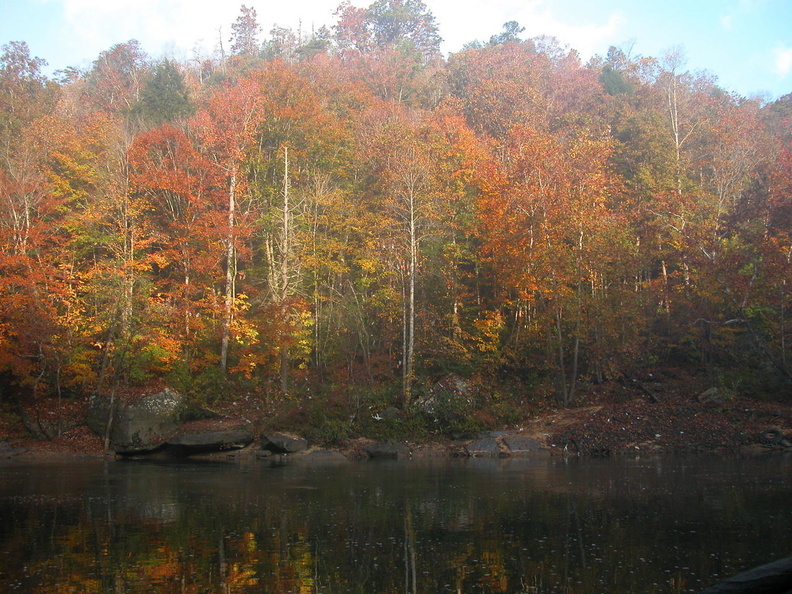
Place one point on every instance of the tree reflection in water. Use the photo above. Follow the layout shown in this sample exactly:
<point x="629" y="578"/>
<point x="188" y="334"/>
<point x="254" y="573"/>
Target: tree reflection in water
<point x="659" y="525"/>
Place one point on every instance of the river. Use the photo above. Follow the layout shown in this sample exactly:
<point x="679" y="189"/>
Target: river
<point x="619" y="525"/>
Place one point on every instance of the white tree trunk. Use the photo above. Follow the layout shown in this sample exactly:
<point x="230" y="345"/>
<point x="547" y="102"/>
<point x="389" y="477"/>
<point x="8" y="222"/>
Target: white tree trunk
<point x="230" y="273"/>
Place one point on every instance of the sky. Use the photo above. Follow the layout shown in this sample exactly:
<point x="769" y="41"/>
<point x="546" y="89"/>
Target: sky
<point x="746" y="44"/>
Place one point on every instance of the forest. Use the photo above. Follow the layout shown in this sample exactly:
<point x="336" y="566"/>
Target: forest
<point x="350" y="215"/>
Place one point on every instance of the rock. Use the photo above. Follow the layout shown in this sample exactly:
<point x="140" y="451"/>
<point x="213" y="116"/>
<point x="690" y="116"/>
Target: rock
<point x="389" y="414"/>
<point x="452" y="392"/>
<point x="140" y="425"/>
<point x="492" y="434"/>
<point x="772" y="577"/>
<point x="199" y="442"/>
<point x="321" y="457"/>
<point x="280" y="443"/>
<point x="483" y="447"/>
<point x="522" y="445"/>
<point x="386" y="451"/>
<point x="715" y="396"/>
<point x="457" y="385"/>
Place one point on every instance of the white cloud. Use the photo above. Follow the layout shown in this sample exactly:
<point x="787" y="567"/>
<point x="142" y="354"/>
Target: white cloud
<point x="463" y="21"/>
<point x="587" y="39"/>
<point x="782" y="61"/>
<point x="727" y="22"/>
<point x="179" y="26"/>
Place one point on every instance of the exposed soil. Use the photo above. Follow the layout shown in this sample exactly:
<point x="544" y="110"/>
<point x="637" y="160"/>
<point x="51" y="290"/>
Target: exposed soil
<point x="680" y="425"/>
<point x="640" y="423"/>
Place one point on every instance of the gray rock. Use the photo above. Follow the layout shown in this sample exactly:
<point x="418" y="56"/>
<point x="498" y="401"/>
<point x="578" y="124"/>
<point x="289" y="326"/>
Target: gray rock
<point x="198" y="442"/>
<point x="280" y="443"/>
<point x="390" y="414"/>
<point x="452" y="392"/>
<point x="483" y="447"/>
<point x="386" y="451"/>
<point x="715" y="396"/>
<point x="138" y="425"/>
<point x="492" y="434"/>
<point x="522" y="445"/>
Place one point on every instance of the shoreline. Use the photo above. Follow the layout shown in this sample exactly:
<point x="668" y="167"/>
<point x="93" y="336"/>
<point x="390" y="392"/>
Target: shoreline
<point x="635" y="427"/>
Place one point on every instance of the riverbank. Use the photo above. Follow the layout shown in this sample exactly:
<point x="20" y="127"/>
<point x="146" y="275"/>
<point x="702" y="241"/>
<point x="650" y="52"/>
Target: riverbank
<point x="639" y="425"/>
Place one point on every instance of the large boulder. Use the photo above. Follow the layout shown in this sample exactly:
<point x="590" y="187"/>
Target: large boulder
<point x="484" y="447"/>
<point x="200" y="440"/>
<point x="386" y="450"/>
<point x="524" y="446"/>
<point x="281" y="443"/>
<point x="138" y="425"/>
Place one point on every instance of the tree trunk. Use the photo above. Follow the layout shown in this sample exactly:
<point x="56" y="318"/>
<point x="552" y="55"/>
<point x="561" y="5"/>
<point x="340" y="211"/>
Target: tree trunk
<point x="409" y="342"/>
<point x="230" y="273"/>
<point x="284" y="267"/>
<point x="561" y="362"/>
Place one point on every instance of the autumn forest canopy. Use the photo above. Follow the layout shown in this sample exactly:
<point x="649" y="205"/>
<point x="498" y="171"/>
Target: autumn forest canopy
<point x="351" y="211"/>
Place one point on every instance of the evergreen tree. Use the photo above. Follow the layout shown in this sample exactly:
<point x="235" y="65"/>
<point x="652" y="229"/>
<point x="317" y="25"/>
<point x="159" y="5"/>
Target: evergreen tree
<point x="244" y="39"/>
<point x="164" y="97"/>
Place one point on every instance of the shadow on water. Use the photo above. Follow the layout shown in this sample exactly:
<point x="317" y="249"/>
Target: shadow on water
<point x="663" y="524"/>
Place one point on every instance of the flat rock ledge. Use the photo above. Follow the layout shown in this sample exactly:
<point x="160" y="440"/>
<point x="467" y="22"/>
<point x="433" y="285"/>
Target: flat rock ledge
<point x="500" y="444"/>
<point x="186" y="443"/>
<point x="380" y="450"/>
<point x="282" y="443"/>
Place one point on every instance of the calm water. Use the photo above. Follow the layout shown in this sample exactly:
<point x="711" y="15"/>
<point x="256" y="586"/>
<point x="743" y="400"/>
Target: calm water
<point x="583" y="526"/>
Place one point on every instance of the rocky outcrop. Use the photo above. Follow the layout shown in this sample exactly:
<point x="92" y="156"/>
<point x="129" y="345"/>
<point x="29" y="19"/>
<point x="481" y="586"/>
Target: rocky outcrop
<point x="190" y="441"/>
<point x="386" y="451"/>
<point x="282" y="443"/>
<point x="524" y="446"/>
<point x="137" y="425"/>
<point x="155" y="423"/>
<point x="484" y="447"/>
<point x="447" y="398"/>
<point x="506" y="445"/>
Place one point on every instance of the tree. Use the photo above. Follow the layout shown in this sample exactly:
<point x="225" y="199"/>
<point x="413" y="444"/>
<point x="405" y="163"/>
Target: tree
<point x="406" y="25"/>
<point x="298" y="143"/>
<point x="282" y="44"/>
<point x="174" y="181"/>
<point x="498" y="86"/>
<point x="411" y="196"/>
<point x="25" y="93"/>
<point x="614" y="76"/>
<point x="116" y="78"/>
<point x="164" y="96"/>
<point x="397" y="22"/>
<point x="511" y="32"/>
<point x="226" y="125"/>
<point x="33" y="292"/>
<point x="245" y="32"/>
<point x="555" y="246"/>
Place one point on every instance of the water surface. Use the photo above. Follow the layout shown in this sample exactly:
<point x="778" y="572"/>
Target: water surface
<point x="666" y="524"/>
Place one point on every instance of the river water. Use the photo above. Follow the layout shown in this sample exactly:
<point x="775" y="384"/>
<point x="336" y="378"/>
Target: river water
<point x="665" y="524"/>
